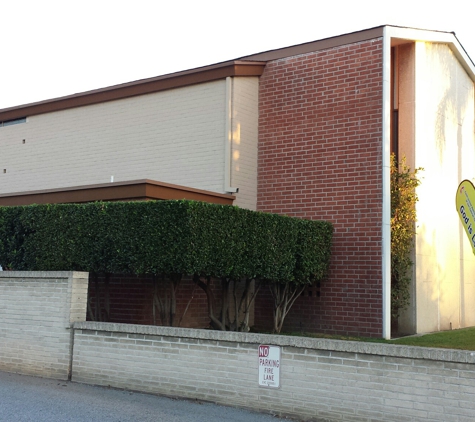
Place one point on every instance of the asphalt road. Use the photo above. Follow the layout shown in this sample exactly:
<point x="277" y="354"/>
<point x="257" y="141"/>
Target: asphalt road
<point x="25" y="399"/>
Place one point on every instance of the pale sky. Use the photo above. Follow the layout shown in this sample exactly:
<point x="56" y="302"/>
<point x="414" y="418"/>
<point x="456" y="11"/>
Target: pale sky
<point x="51" y="48"/>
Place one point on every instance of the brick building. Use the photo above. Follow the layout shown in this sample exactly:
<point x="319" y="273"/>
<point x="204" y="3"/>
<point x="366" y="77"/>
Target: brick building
<point x="305" y="131"/>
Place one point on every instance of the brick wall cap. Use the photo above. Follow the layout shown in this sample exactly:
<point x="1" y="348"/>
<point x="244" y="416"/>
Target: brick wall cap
<point x="381" y="349"/>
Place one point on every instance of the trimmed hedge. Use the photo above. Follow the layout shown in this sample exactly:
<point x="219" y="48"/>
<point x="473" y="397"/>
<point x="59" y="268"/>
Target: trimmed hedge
<point x="164" y="237"/>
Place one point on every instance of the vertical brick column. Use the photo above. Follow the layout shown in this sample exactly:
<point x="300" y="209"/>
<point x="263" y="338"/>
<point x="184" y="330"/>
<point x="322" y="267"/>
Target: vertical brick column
<point x="320" y="158"/>
<point x="37" y="310"/>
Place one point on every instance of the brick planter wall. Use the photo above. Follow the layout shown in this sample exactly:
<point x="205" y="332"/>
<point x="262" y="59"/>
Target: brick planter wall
<point x="320" y="379"/>
<point x="43" y="333"/>
<point x="36" y="313"/>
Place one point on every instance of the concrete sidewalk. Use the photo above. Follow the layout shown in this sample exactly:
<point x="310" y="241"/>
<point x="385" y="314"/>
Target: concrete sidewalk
<point x="24" y="398"/>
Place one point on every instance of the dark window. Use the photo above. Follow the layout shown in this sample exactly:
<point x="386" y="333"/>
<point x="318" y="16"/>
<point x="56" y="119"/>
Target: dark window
<point x="13" y="122"/>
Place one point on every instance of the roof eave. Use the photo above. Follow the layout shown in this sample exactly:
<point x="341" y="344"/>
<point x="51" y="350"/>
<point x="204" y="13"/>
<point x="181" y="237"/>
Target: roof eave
<point x="252" y="65"/>
<point x="140" y="87"/>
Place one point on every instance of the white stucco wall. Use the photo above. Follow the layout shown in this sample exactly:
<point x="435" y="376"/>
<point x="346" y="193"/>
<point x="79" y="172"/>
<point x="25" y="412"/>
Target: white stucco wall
<point x="174" y="136"/>
<point x="445" y="148"/>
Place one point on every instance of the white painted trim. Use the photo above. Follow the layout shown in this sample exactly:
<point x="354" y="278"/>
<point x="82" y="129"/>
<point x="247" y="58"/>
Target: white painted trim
<point x="448" y="38"/>
<point x="386" y="189"/>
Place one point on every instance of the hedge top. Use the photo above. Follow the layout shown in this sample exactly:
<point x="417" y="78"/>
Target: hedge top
<point x="164" y="237"/>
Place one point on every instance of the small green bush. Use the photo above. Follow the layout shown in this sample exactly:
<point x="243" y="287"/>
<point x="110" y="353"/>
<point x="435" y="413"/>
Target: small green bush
<point x="404" y="182"/>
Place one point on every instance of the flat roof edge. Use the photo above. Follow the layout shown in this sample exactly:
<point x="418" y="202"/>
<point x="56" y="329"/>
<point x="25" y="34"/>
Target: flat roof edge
<point x="132" y="190"/>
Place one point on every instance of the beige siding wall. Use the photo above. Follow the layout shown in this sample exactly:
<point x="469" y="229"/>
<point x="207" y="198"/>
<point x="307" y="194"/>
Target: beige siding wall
<point x="244" y="125"/>
<point x="175" y="136"/>
<point x="445" y="148"/>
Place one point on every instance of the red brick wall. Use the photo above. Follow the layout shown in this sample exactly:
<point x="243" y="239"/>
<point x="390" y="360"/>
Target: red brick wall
<point x="320" y="157"/>
<point x="130" y="301"/>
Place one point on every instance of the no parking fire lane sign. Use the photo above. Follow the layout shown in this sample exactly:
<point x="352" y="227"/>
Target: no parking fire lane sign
<point x="269" y="366"/>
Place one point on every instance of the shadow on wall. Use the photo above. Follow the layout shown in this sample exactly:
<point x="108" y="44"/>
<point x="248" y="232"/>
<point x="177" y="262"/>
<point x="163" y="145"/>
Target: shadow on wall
<point x="455" y="100"/>
<point x="148" y="300"/>
<point x="142" y="300"/>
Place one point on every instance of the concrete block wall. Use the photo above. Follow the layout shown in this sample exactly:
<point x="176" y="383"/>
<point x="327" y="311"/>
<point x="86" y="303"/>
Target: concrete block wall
<point x="320" y="158"/>
<point x="320" y="379"/>
<point x="36" y="313"/>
